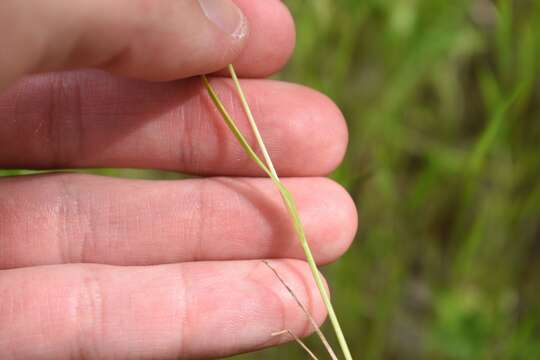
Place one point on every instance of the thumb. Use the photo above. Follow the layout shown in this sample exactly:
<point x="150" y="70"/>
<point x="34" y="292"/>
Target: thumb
<point x="148" y="39"/>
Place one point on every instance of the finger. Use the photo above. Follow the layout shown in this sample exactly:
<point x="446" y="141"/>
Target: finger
<point x="271" y="40"/>
<point x="63" y="218"/>
<point x="89" y="119"/>
<point x="197" y="310"/>
<point x="155" y="40"/>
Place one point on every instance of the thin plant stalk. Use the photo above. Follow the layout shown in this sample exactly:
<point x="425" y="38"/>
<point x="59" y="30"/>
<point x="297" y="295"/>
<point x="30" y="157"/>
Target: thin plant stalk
<point x="305" y="311"/>
<point x="251" y="119"/>
<point x="291" y="206"/>
<point x="289" y="203"/>
<point x="300" y="342"/>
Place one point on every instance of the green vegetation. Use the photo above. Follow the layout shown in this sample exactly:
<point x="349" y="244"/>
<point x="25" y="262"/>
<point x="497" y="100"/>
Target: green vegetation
<point x="443" y="104"/>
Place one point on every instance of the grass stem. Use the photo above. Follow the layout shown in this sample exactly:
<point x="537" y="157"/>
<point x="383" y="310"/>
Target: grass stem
<point x="251" y="119"/>
<point x="285" y="195"/>
<point x="305" y="311"/>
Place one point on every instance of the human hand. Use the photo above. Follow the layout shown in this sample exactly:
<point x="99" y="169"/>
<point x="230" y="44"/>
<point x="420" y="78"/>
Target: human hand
<point x="102" y="268"/>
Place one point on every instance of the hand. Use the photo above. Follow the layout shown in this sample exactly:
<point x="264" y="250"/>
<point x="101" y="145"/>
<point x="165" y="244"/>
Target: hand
<point x="102" y="268"/>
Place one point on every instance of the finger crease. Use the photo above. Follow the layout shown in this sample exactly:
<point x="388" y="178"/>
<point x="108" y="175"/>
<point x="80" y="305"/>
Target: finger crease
<point x="90" y="315"/>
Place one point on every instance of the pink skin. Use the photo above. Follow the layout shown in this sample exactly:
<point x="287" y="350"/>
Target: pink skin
<point x="93" y="267"/>
<point x="188" y="310"/>
<point x="171" y="126"/>
<point x="87" y="219"/>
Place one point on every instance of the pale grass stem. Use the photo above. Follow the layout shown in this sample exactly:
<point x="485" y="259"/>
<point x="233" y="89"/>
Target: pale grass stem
<point x="285" y="195"/>
<point x="252" y="123"/>
<point x="305" y="311"/>
<point x="300" y="342"/>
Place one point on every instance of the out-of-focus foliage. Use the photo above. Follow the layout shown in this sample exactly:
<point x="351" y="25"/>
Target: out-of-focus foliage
<point x="443" y="104"/>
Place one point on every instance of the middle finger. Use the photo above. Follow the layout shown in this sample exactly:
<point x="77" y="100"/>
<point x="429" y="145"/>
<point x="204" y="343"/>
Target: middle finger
<point x="67" y="218"/>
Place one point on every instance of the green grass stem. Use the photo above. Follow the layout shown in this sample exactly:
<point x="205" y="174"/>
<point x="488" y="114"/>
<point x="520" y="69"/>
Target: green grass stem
<point x="287" y="200"/>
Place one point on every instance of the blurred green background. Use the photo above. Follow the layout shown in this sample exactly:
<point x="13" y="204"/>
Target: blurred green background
<point x="443" y="101"/>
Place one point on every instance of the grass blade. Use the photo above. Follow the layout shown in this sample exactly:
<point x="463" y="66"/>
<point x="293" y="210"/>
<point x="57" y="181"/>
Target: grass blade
<point x="232" y="126"/>
<point x="287" y="200"/>
<point x="251" y="119"/>
<point x="291" y="206"/>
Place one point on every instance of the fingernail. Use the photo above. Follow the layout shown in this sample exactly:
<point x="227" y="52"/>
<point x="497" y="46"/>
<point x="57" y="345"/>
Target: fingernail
<point x="226" y="16"/>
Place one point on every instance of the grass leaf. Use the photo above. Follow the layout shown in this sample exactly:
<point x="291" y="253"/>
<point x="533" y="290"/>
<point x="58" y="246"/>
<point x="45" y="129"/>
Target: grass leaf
<point x="285" y="194"/>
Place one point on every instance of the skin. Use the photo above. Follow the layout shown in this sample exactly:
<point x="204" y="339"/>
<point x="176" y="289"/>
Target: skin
<point x="100" y="268"/>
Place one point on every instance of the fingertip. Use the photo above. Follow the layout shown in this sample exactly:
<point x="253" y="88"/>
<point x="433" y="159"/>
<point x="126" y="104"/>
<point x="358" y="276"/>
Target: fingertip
<point x="190" y="38"/>
<point x="272" y="38"/>
<point x="330" y="218"/>
<point x="341" y="223"/>
<point x="335" y="140"/>
<point x="304" y="130"/>
<point x="316" y="132"/>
